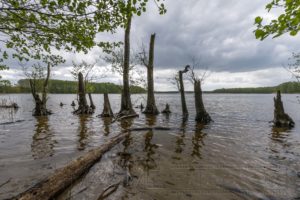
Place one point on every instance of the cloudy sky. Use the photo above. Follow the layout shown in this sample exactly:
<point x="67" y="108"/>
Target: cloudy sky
<point x="219" y="33"/>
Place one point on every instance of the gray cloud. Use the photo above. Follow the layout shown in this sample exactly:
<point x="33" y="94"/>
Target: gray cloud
<point x="219" y="33"/>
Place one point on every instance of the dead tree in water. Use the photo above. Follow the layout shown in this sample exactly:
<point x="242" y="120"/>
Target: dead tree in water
<point x="92" y="105"/>
<point x="126" y="105"/>
<point x="83" y="107"/>
<point x="201" y="115"/>
<point x="167" y="109"/>
<point x="281" y="119"/>
<point x="35" y="77"/>
<point x="148" y="63"/>
<point x="107" y="111"/>
<point x="185" y="112"/>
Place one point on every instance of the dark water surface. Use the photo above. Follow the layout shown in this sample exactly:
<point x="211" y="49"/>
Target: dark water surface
<point x="238" y="156"/>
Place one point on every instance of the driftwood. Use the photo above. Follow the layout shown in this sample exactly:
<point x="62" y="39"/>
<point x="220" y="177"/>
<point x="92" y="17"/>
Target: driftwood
<point x="108" y="191"/>
<point x="167" y="109"/>
<point x="64" y="177"/>
<point x="121" y="117"/>
<point x="281" y="119"/>
<point x="13" y="105"/>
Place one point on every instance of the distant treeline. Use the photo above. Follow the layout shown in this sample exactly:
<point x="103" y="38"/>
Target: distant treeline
<point x="288" y="87"/>
<point x="67" y="87"/>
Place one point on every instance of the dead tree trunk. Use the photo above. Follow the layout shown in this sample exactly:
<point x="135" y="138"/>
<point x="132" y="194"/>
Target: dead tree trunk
<point x="107" y="111"/>
<point x="281" y="119"/>
<point x="64" y="177"/>
<point x="151" y="106"/>
<point x="185" y="112"/>
<point x="83" y="107"/>
<point x="126" y="105"/>
<point x="40" y="104"/>
<point x="201" y="115"/>
<point x="92" y="105"/>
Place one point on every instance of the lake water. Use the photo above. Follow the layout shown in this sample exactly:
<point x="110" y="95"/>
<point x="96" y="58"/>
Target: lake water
<point x="238" y="156"/>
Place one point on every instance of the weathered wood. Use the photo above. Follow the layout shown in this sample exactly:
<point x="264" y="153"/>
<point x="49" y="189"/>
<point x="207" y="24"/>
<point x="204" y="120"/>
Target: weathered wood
<point x="281" y="119"/>
<point x="40" y="104"/>
<point x="201" y="115"/>
<point x="151" y="106"/>
<point x="83" y="107"/>
<point x="64" y="177"/>
<point x="107" y="111"/>
<point x="167" y="109"/>
<point x="185" y="112"/>
<point x="92" y="105"/>
<point x="126" y="105"/>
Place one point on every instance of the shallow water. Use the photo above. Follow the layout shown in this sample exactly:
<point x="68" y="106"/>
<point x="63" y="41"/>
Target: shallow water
<point x="238" y="156"/>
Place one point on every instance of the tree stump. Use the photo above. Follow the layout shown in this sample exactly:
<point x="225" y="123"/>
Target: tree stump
<point x="92" y="105"/>
<point x="83" y="107"/>
<point x="107" y="111"/>
<point x="167" y="109"/>
<point x="73" y="104"/>
<point x="281" y="119"/>
<point x="201" y="115"/>
<point x="185" y="112"/>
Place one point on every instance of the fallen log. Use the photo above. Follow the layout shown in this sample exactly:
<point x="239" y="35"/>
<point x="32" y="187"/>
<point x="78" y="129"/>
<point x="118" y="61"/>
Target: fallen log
<point x="62" y="178"/>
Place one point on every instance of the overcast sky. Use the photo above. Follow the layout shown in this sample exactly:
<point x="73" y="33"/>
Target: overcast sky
<point x="219" y="33"/>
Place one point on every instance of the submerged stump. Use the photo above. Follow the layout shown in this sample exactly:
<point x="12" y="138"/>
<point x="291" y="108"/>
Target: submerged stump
<point x="83" y="107"/>
<point x="201" y="115"/>
<point x="107" y="111"/>
<point x="92" y="105"/>
<point x="167" y="109"/>
<point x="281" y="119"/>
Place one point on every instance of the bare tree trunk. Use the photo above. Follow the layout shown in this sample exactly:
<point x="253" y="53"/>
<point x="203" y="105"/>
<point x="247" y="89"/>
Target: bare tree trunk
<point x="151" y="106"/>
<point x="40" y="104"/>
<point x="201" y="115"/>
<point x="83" y="107"/>
<point x="126" y="105"/>
<point x="107" y="111"/>
<point x="281" y="119"/>
<point x="92" y="105"/>
<point x="185" y="112"/>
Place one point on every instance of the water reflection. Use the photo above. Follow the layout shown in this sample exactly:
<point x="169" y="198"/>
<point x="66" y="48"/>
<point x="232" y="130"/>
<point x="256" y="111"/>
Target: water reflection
<point x="151" y="120"/>
<point x="42" y="140"/>
<point x="83" y="132"/>
<point x="197" y="141"/>
<point x="180" y="139"/>
<point x="149" y="162"/>
<point x="279" y="134"/>
<point x="106" y="125"/>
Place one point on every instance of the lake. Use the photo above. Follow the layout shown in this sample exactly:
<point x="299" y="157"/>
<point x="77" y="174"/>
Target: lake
<point x="238" y="156"/>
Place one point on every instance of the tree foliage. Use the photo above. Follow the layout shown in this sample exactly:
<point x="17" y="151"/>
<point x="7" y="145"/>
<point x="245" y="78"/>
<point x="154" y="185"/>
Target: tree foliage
<point x="33" y="29"/>
<point x="287" y="22"/>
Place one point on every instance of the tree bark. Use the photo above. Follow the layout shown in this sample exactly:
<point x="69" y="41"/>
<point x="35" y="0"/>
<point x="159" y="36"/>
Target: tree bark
<point x="83" y="107"/>
<point x="40" y="104"/>
<point x="66" y="176"/>
<point x="185" y="112"/>
<point x="201" y="115"/>
<point x="151" y="106"/>
<point x="92" y="105"/>
<point x="126" y="105"/>
<point x="107" y="111"/>
<point x="281" y="119"/>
